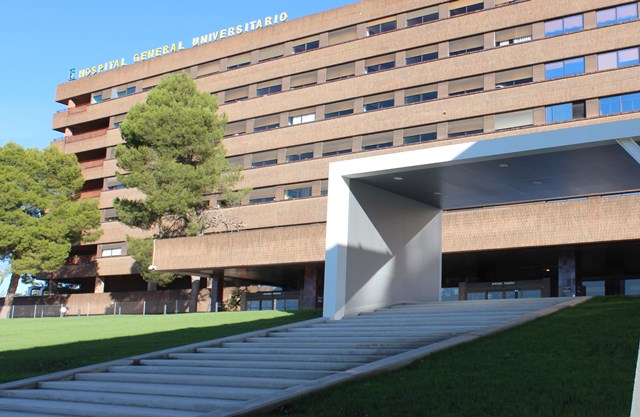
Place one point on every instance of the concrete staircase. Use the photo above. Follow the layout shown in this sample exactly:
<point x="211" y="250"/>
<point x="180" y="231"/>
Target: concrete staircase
<point x="236" y="375"/>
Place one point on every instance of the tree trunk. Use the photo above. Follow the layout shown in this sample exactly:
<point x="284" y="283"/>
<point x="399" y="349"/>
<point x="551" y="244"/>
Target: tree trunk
<point x="5" y="310"/>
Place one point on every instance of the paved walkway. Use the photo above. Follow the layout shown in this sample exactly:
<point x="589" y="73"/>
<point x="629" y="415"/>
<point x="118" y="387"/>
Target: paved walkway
<point x="244" y="373"/>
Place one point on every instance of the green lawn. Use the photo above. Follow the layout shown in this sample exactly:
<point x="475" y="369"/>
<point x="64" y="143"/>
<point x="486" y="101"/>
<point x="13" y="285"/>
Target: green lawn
<point x="30" y="347"/>
<point x="578" y="362"/>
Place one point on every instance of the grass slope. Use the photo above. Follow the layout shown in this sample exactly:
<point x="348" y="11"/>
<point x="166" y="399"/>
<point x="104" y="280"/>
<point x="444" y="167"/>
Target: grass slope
<point x="31" y="347"/>
<point x="577" y="362"/>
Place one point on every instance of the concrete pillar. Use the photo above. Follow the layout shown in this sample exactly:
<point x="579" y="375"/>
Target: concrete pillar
<point x="374" y="257"/>
<point x="567" y="273"/>
<point x="309" y="293"/>
<point x="216" y="284"/>
<point x="443" y="50"/>
<point x="98" y="286"/>
<point x="193" y="296"/>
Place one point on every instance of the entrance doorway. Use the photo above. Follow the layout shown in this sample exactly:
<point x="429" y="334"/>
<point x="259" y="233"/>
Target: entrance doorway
<point x="505" y="290"/>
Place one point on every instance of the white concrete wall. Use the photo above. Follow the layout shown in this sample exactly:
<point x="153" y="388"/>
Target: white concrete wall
<point x="382" y="249"/>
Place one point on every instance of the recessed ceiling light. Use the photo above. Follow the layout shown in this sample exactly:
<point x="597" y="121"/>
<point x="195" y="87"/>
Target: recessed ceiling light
<point x="398" y="178"/>
<point x="437" y="193"/>
<point x="503" y="165"/>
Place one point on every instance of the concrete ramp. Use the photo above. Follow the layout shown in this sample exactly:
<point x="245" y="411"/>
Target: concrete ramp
<point x="244" y="373"/>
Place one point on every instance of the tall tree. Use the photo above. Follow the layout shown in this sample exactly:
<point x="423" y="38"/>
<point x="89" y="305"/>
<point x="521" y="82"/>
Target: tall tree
<point x="173" y="153"/>
<point x="41" y="215"/>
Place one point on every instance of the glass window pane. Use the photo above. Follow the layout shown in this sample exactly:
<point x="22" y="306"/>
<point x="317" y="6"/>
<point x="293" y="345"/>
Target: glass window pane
<point x="578" y="110"/>
<point x="553" y="27"/>
<point x="632" y="287"/>
<point x="593" y="288"/>
<point x="559" y="113"/>
<point x="607" y="61"/>
<point x="554" y="70"/>
<point x="574" y="66"/>
<point x="606" y="17"/>
<point x="627" y="12"/>
<point x="609" y="105"/>
<point x="630" y="102"/>
<point x="573" y="23"/>
<point x="628" y="57"/>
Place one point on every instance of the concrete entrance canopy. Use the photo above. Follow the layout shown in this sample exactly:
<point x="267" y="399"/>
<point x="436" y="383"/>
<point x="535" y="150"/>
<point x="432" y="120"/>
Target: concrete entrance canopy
<point x="384" y="215"/>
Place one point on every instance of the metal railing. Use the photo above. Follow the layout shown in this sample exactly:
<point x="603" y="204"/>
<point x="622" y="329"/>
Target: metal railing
<point x="117" y="308"/>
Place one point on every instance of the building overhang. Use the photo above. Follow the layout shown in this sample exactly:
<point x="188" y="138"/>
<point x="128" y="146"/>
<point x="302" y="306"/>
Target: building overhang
<point x="565" y="163"/>
<point x="383" y="219"/>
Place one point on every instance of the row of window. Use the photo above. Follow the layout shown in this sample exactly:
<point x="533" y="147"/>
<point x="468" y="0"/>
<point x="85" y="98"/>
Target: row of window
<point x="518" y="76"/>
<point x="553" y="114"/>
<point x="554" y="27"/>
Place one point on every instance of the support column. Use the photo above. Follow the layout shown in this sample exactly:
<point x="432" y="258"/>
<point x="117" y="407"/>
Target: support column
<point x="567" y="273"/>
<point x="98" y="286"/>
<point x="309" y="295"/>
<point x="216" y="284"/>
<point x="193" y="296"/>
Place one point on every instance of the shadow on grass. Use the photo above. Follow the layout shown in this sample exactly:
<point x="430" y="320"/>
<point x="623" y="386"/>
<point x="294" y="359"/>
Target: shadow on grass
<point x="26" y="363"/>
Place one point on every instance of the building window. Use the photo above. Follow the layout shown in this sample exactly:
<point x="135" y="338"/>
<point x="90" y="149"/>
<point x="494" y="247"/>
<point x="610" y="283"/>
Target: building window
<point x="618" y="59"/>
<point x="304" y="80"/>
<point x="465" y="9"/>
<point x="97" y="98"/>
<point x="419" y="98"/>
<point x="306" y="46"/>
<point x="379" y="67"/>
<point x="620" y="104"/>
<point x="302" y="118"/>
<point x="343" y="35"/>
<point x="340" y="113"/>
<point x="466" y="45"/>
<point x="267" y="123"/>
<point x="565" y="25"/>
<point x="514" y="77"/>
<point x="466" y="127"/>
<point x="110" y="215"/>
<point x="466" y="86"/>
<point x="619" y="14"/>
<point x="265" y="163"/>
<point x="422" y="16"/>
<point x="261" y="200"/>
<point x="379" y="105"/>
<point x="424" y="54"/>
<point x="238" y="61"/>
<point x="297" y="193"/>
<point x="566" y="111"/>
<point x="106" y="253"/>
<point x="237" y="94"/>
<point x="268" y="90"/>
<point x="381" y="28"/>
<point x="336" y="147"/>
<point x="340" y="72"/>
<point x="266" y="127"/>
<point x="423" y="137"/>
<point x="513" y="120"/>
<point x="513" y="36"/>
<point x="564" y="68"/>
<point x="299" y="157"/>
<point x="377" y="141"/>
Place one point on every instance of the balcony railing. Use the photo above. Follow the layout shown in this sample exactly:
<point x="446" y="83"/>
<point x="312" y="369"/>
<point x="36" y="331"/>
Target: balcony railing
<point x="81" y="260"/>
<point x="92" y="164"/>
<point x="90" y="194"/>
<point x="88" y="135"/>
<point x="78" y="109"/>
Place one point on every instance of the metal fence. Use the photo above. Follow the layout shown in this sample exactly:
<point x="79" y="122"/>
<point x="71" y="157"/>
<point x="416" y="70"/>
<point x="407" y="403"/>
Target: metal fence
<point x="116" y="308"/>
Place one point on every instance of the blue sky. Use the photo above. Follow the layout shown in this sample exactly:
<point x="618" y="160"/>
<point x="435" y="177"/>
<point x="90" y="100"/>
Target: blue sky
<point x="43" y="39"/>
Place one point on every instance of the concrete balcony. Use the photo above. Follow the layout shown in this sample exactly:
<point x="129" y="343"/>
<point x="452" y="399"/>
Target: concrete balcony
<point x="98" y="139"/>
<point x="117" y="232"/>
<point x="119" y="265"/>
